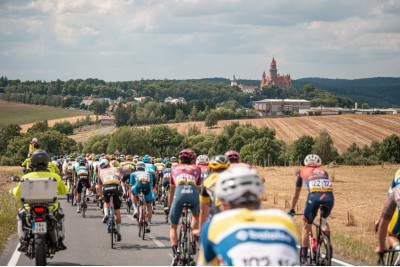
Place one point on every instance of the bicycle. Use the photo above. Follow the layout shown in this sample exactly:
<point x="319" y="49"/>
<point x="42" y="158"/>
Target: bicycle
<point x="164" y="202"/>
<point x="186" y="244"/>
<point x="112" y="224"/>
<point x="142" y="221"/>
<point x="392" y="258"/>
<point x="83" y="202"/>
<point x="320" y="250"/>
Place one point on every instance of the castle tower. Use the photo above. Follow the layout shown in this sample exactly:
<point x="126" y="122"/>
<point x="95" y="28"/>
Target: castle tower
<point x="273" y="71"/>
<point x="234" y="81"/>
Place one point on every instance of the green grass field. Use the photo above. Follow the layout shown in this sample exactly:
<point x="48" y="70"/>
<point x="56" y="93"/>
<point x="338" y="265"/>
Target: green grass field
<point x="16" y="113"/>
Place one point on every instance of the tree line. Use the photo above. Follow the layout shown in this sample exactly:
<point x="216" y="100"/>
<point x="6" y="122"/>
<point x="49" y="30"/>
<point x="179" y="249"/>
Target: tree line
<point x="257" y="146"/>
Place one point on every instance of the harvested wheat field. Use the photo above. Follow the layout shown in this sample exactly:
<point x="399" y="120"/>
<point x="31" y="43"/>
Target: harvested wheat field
<point x="360" y="194"/>
<point x="344" y="129"/>
<point x="25" y="127"/>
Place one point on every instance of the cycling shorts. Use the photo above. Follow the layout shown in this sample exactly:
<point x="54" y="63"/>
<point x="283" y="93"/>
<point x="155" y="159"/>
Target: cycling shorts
<point x="184" y="194"/>
<point x="82" y="181"/>
<point x="165" y="182"/>
<point x="115" y="191"/>
<point x="316" y="199"/>
<point x="146" y="187"/>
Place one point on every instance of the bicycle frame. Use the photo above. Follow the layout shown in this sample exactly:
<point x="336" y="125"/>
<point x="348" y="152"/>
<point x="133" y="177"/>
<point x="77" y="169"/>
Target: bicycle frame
<point x="391" y="258"/>
<point x="185" y="240"/>
<point x="322" y="240"/>
<point x="142" y="220"/>
<point x="112" y="222"/>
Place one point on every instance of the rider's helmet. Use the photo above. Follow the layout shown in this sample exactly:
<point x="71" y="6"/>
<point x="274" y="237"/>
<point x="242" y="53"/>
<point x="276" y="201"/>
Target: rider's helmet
<point x="97" y="157"/>
<point x="168" y="165"/>
<point x="82" y="162"/>
<point x="104" y="163"/>
<point x="202" y="160"/>
<point x="239" y="185"/>
<point x="219" y="162"/>
<point x="312" y="160"/>
<point x="187" y="156"/>
<point x="158" y="160"/>
<point x="128" y="158"/>
<point x="141" y="166"/>
<point x="113" y="157"/>
<point x="173" y="159"/>
<point x="72" y="158"/>
<point x="39" y="159"/>
<point x="146" y="159"/>
<point x="233" y="156"/>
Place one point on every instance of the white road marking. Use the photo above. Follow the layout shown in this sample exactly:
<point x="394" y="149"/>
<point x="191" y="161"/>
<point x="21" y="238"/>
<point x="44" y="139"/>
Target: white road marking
<point x="15" y="257"/>
<point x="158" y="242"/>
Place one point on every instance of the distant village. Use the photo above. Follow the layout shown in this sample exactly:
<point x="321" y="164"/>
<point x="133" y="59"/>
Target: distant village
<point x="265" y="107"/>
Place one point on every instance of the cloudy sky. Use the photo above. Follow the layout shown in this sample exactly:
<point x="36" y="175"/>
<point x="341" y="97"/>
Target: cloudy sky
<point x="120" y="40"/>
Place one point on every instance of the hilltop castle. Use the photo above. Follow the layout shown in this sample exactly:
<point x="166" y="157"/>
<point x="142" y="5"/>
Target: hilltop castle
<point x="282" y="81"/>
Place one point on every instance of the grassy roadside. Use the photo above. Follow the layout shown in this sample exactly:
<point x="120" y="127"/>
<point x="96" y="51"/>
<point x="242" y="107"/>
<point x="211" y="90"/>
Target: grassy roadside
<point x="9" y="204"/>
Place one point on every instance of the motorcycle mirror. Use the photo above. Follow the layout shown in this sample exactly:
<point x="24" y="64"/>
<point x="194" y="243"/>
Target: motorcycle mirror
<point x="15" y="178"/>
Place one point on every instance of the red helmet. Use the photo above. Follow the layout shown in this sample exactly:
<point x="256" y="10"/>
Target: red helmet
<point x="233" y="156"/>
<point x="187" y="154"/>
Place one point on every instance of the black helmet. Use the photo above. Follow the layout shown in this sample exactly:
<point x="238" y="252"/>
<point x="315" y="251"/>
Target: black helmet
<point x="39" y="158"/>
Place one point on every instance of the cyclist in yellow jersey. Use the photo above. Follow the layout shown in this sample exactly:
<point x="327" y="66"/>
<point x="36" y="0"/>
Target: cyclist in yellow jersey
<point x="243" y="234"/>
<point x="38" y="164"/>
<point x="389" y="223"/>
<point x="26" y="163"/>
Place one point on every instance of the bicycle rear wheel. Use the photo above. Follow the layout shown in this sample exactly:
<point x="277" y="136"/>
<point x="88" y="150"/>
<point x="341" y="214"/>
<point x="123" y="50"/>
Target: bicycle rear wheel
<point x="143" y="215"/>
<point x="140" y="224"/>
<point x="112" y="226"/>
<point x="83" y="203"/>
<point x="324" y="251"/>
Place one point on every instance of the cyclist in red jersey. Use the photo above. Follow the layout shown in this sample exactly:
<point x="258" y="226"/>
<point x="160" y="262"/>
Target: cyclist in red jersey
<point x="185" y="184"/>
<point x="234" y="159"/>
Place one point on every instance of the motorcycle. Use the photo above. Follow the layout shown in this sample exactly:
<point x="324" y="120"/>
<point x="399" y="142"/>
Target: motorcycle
<point x="40" y="224"/>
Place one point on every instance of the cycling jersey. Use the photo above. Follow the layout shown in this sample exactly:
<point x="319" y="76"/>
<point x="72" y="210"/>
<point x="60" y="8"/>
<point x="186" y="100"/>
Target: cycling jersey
<point x="82" y="175"/>
<point x="142" y="180"/>
<point x="394" y="224"/>
<point x="165" y="176"/>
<point x="159" y="167"/>
<point x="207" y="193"/>
<point x="320" y="190"/>
<point x="186" y="179"/>
<point x="205" y="171"/>
<point x="249" y="237"/>
<point x="110" y="175"/>
<point x="93" y="169"/>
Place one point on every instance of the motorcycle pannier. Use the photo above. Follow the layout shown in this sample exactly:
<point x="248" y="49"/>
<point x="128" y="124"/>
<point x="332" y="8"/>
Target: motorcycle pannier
<point x="38" y="190"/>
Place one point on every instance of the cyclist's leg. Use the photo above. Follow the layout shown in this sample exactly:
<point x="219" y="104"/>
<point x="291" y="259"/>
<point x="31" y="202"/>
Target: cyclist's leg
<point x="174" y="216"/>
<point x="78" y="194"/>
<point x="149" y="197"/>
<point x="117" y="206"/>
<point x="106" y="198"/>
<point x="310" y="211"/>
<point x="328" y="200"/>
<point x="134" y="200"/>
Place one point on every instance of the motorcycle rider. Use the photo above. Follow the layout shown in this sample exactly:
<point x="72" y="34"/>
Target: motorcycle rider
<point x="39" y="162"/>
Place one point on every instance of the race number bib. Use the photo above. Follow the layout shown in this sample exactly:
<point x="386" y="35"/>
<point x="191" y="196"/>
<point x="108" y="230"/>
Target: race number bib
<point x="185" y="178"/>
<point x="321" y="185"/>
<point x="143" y="178"/>
<point x="110" y="179"/>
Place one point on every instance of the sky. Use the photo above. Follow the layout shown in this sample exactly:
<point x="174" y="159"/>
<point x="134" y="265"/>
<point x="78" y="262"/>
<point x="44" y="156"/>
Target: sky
<point x="125" y="40"/>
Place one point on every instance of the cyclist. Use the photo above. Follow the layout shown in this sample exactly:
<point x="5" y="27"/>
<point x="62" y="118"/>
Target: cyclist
<point x="93" y="172"/>
<point x="159" y="167"/>
<point x="173" y="161"/>
<point x="39" y="161"/>
<point x="113" y="161"/>
<point x="202" y="161"/>
<point x="243" y="234"/>
<point x="165" y="177"/>
<point x="109" y="184"/>
<point x="208" y="202"/>
<point x="320" y="192"/>
<point x="127" y="166"/>
<point x="152" y="171"/>
<point x="141" y="179"/>
<point x="389" y="223"/>
<point x="234" y="158"/>
<point x="184" y="188"/>
<point x="81" y="179"/>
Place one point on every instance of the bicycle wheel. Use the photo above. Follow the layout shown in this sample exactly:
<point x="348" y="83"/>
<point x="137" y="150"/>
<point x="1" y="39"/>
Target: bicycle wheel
<point x="140" y="224"/>
<point x="181" y="246"/>
<point x="324" y="251"/>
<point x="111" y="225"/>
<point x="83" y="204"/>
<point x="143" y="215"/>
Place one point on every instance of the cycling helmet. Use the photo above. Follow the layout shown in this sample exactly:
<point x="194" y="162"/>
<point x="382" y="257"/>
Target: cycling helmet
<point x="239" y="185"/>
<point x="97" y="157"/>
<point x="168" y="165"/>
<point x="219" y="162"/>
<point x="233" y="156"/>
<point x="146" y="159"/>
<point x="39" y="158"/>
<point x="82" y="162"/>
<point x="202" y="160"/>
<point x="128" y="158"/>
<point x="158" y="160"/>
<point x="141" y="166"/>
<point x="164" y="161"/>
<point x="104" y="163"/>
<point x="113" y="157"/>
<point x="312" y="160"/>
<point x="72" y="158"/>
<point x="34" y="140"/>
<point x="187" y="155"/>
<point x="173" y="159"/>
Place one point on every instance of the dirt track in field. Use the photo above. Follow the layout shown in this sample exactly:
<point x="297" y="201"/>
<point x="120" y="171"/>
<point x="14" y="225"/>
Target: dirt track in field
<point x="51" y="123"/>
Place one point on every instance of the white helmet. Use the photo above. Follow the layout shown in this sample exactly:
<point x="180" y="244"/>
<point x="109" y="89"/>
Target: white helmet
<point x="312" y="160"/>
<point x="239" y="185"/>
<point x="34" y="140"/>
<point x="202" y="159"/>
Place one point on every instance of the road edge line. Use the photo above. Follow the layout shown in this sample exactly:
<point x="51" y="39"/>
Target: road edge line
<point x="15" y="257"/>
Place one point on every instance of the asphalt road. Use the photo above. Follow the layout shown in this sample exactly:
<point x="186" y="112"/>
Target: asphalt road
<point x="89" y="243"/>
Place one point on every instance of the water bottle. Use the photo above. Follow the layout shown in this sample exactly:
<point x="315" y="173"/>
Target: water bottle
<point x="314" y="244"/>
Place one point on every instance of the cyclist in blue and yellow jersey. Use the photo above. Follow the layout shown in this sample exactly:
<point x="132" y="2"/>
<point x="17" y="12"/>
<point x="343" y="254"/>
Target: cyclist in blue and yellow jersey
<point x="142" y="180"/>
<point x="320" y="192"/>
<point x="202" y="161"/>
<point x="389" y="222"/>
<point x="109" y="185"/>
<point x="243" y="234"/>
<point x="165" y="178"/>
<point x="152" y="170"/>
<point x="81" y="182"/>
<point x="185" y="185"/>
<point x="39" y="161"/>
<point x="209" y="205"/>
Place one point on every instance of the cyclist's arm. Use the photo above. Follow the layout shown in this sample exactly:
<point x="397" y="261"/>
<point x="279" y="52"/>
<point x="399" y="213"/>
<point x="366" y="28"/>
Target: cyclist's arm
<point x="171" y="194"/>
<point x="207" y="255"/>
<point x="204" y="206"/>
<point x="296" y="193"/>
<point x="386" y="215"/>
